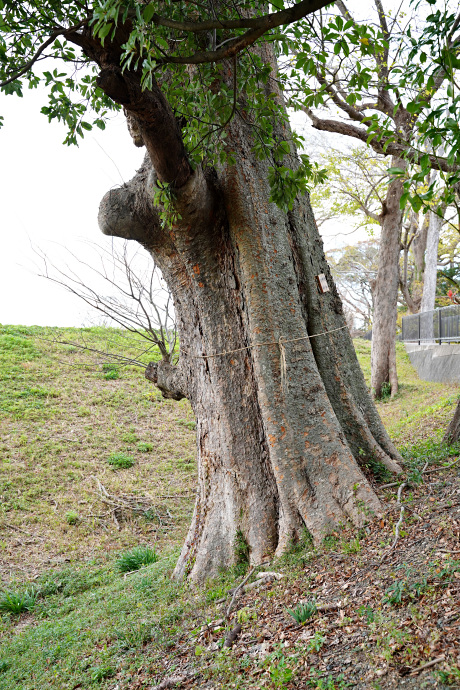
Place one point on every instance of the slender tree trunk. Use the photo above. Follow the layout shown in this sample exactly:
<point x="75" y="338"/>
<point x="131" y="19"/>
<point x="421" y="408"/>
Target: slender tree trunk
<point x="431" y="262"/>
<point x="383" y="357"/>
<point x="452" y="434"/>
<point x="419" y="247"/>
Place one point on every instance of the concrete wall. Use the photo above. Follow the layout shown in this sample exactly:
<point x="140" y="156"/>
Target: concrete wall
<point x="440" y="363"/>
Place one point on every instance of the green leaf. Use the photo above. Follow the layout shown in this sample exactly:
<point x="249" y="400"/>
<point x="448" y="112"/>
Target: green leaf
<point x="396" y="171"/>
<point x="148" y="13"/>
<point x="104" y="31"/>
<point x="403" y="200"/>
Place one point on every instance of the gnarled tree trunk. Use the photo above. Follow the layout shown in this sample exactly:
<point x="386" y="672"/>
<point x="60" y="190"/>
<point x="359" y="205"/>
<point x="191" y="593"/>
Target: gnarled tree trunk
<point x="285" y="424"/>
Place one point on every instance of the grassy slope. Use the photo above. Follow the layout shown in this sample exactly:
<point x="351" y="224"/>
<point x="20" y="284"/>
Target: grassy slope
<point x="60" y="421"/>
<point x="421" y="409"/>
<point x="91" y="626"/>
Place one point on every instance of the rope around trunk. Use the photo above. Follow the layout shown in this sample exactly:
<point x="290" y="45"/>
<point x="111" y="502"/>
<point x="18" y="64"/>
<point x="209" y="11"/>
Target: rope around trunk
<point x="279" y="342"/>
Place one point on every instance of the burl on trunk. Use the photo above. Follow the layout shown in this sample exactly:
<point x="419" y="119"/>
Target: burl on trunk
<point x="285" y="424"/>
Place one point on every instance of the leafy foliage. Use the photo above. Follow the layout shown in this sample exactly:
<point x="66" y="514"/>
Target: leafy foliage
<point x="416" y="67"/>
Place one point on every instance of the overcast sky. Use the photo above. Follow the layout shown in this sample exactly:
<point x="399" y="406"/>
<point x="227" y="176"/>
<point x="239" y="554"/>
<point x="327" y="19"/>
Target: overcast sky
<point x="49" y="198"/>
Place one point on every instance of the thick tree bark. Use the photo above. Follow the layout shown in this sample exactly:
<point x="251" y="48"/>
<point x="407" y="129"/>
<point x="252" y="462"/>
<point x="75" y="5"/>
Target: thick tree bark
<point x="383" y="355"/>
<point x="286" y="429"/>
<point x="452" y="434"/>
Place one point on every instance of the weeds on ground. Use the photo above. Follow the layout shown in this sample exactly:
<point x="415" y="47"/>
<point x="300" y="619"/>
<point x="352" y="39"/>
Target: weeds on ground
<point x="450" y="677"/>
<point x="17" y="602"/>
<point x="303" y="612"/>
<point x="143" y="447"/>
<point x="120" y="461"/>
<point x="72" y="517"/>
<point x="111" y="371"/>
<point x="429" y="451"/>
<point x="241" y="549"/>
<point x="136" y="558"/>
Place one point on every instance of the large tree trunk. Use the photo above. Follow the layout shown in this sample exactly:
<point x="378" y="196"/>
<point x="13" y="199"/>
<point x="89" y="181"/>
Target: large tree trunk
<point x="285" y="424"/>
<point x="286" y="429"/>
<point x="383" y="356"/>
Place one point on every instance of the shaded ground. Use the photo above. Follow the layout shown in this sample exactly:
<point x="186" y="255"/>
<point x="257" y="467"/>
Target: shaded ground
<point x="384" y="617"/>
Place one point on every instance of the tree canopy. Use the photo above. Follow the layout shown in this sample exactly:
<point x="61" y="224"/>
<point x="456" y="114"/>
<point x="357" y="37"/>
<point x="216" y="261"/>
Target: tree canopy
<point x="375" y="70"/>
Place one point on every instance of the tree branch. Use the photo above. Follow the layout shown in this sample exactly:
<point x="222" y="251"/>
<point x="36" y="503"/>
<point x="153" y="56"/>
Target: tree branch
<point x="266" y="22"/>
<point x="169" y="379"/>
<point x="382" y="146"/>
<point x="26" y="67"/>
<point x="260" y="27"/>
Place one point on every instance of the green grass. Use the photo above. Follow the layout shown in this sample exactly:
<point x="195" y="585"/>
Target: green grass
<point x="60" y="420"/>
<point x="421" y="409"/>
<point x="100" y="608"/>
<point x="89" y="625"/>
<point x="136" y="558"/>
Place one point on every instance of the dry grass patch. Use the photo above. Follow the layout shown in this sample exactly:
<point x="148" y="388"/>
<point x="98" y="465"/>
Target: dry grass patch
<point x="61" y="420"/>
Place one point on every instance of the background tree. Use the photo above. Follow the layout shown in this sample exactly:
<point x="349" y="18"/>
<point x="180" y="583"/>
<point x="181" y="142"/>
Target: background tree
<point x="354" y="269"/>
<point x="356" y="187"/>
<point x="384" y="80"/>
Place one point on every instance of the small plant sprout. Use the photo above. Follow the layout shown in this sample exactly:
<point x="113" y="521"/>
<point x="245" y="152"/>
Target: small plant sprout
<point x="120" y="461"/>
<point x="245" y="614"/>
<point x="144" y="447"/>
<point x="72" y="517"/>
<point x="136" y="558"/>
<point x="303" y="611"/>
<point x="317" y="641"/>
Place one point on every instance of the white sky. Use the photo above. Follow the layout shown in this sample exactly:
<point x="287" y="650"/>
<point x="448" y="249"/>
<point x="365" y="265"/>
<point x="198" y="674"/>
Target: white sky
<point x="49" y="198"/>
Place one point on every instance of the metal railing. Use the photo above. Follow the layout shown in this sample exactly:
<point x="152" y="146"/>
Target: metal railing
<point x="438" y="326"/>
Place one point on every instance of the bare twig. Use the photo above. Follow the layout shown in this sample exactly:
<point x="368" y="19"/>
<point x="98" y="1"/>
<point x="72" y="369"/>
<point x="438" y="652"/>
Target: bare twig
<point x="424" y="471"/>
<point x="237" y="590"/>
<point x="440" y="469"/>
<point x="23" y="531"/>
<point x="127" y="503"/>
<point x="427" y="665"/>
